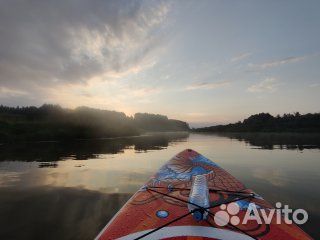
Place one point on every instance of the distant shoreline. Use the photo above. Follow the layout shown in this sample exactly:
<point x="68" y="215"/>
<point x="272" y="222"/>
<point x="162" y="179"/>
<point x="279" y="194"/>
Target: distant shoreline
<point x="265" y="122"/>
<point x="54" y="123"/>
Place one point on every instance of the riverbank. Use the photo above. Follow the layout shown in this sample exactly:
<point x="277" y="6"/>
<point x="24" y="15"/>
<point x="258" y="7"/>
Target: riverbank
<point x="265" y="122"/>
<point x="53" y="123"/>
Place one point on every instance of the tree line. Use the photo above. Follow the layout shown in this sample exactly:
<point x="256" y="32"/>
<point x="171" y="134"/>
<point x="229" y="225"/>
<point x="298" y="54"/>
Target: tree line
<point x="52" y="122"/>
<point x="265" y="122"/>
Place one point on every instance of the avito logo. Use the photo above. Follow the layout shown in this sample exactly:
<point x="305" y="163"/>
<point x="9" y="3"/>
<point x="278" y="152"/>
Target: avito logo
<point x="228" y="215"/>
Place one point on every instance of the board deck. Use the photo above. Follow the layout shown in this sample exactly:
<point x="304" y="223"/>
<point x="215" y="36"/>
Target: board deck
<point x="153" y="211"/>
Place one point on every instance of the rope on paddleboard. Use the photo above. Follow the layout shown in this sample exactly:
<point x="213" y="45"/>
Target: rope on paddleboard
<point x="210" y="190"/>
<point x="251" y="195"/>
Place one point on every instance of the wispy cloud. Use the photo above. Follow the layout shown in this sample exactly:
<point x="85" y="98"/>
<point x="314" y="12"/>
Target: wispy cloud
<point x="240" y="57"/>
<point x="9" y="92"/>
<point x="59" y="42"/>
<point x="314" y="85"/>
<point x="267" y="85"/>
<point x="143" y="92"/>
<point x="279" y="62"/>
<point x="207" y="85"/>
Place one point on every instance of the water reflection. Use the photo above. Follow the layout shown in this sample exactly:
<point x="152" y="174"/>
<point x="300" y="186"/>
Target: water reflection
<point x="86" y="149"/>
<point x="116" y="165"/>
<point x="290" y="141"/>
<point x="48" y="191"/>
<point x="56" y="213"/>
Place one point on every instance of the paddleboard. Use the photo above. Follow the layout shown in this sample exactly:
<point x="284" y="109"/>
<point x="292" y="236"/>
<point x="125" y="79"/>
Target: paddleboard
<point x="163" y="207"/>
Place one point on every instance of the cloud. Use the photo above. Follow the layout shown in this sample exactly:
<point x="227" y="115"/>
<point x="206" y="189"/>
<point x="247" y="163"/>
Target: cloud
<point x="314" y="85"/>
<point x="48" y="43"/>
<point x="241" y="57"/>
<point x="207" y="85"/>
<point x="267" y="85"/>
<point x="276" y="177"/>
<point x="143" y="92"/>
<point x="7" y="92"/>
<point x="276" y="63"/>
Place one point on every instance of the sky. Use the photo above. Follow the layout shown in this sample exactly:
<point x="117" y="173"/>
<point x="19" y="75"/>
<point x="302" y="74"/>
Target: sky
<point x="204" y="62"/>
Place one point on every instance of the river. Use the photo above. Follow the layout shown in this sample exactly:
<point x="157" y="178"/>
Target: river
<point x="69" y="190"/>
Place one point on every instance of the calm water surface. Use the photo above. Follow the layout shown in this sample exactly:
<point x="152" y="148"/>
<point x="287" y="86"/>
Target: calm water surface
<point x="70" y="190"/>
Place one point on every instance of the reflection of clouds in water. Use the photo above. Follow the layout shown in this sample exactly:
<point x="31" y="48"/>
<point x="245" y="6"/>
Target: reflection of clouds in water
<point x="276" y="177"/>
<point x="14" y="166"/>
<point x="104" y="180"/>
<point x="13" y="173"/>
<point x="123" y="173"/>
<point x="8" y="179"/>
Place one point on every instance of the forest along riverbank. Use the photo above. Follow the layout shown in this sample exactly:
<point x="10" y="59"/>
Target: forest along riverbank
<point x="52" y="122"/>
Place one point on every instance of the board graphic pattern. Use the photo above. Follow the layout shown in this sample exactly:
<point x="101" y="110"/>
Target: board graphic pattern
<point x="164" y="198"/>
